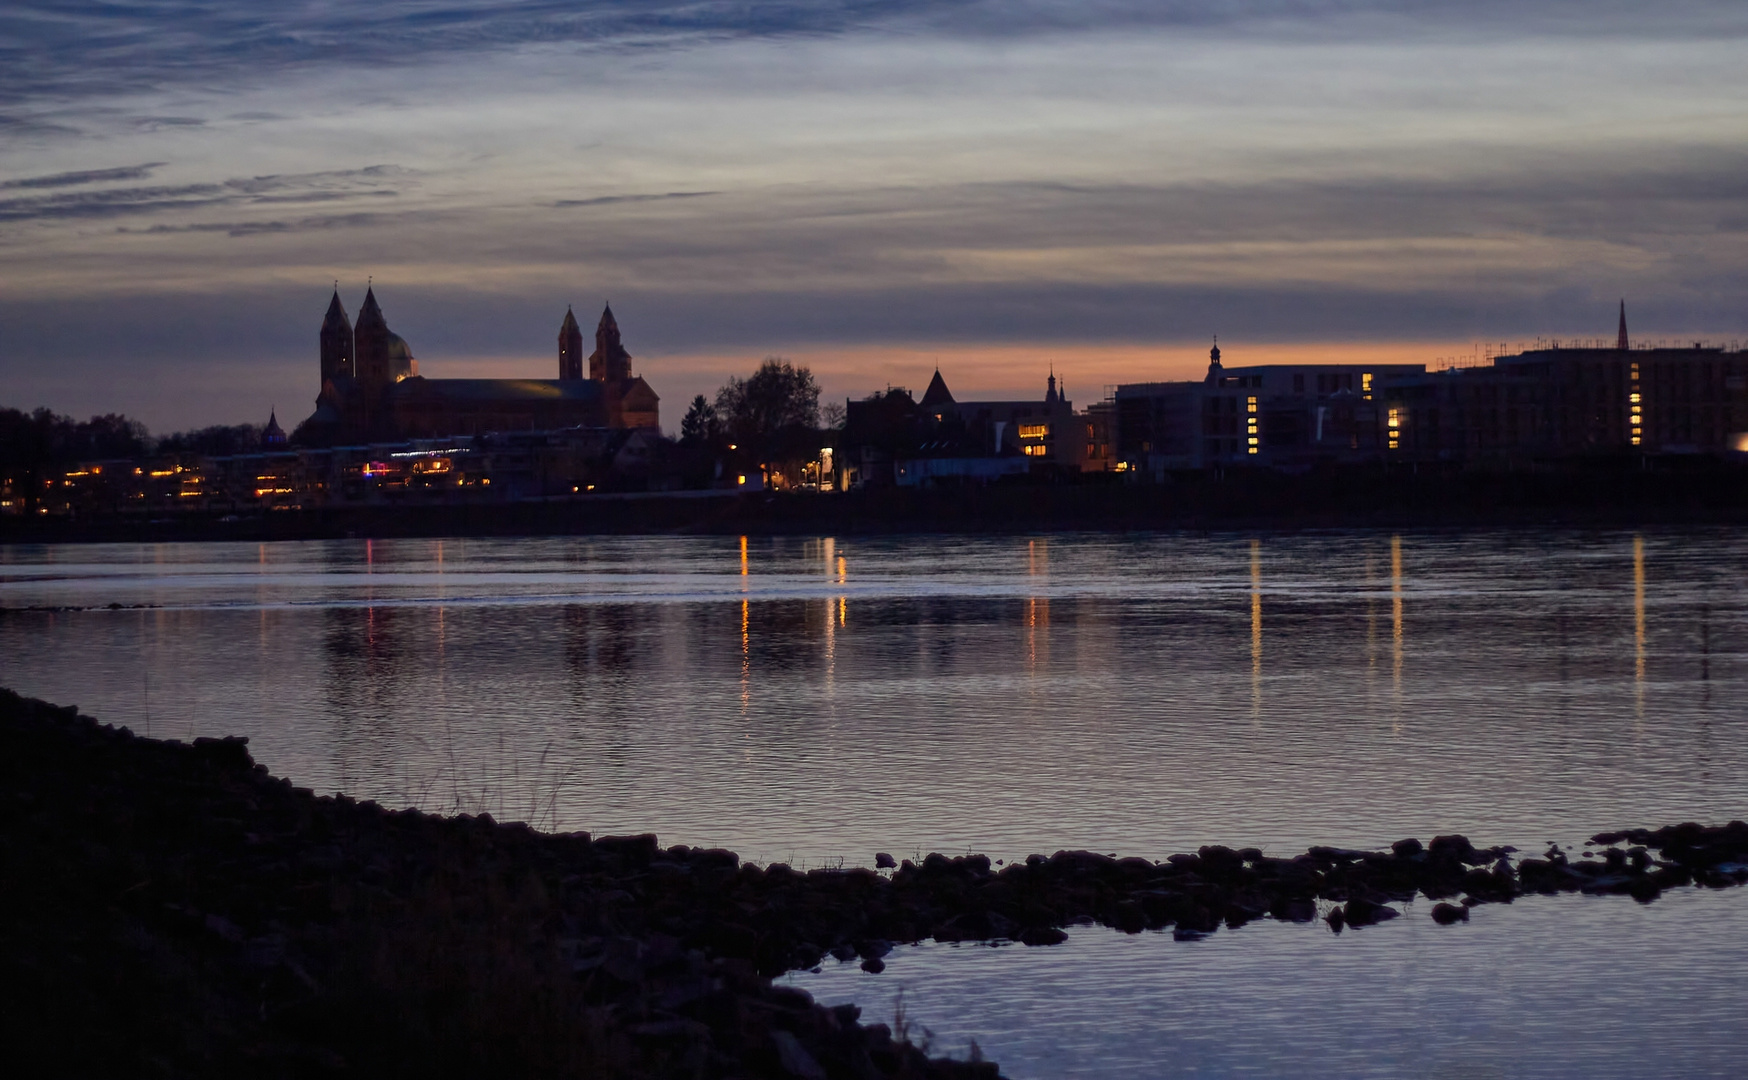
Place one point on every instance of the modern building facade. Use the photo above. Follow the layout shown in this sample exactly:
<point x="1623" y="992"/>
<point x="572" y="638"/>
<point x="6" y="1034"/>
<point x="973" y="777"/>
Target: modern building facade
<point x="1268" y="414"/>
<point x="1561" y="402"/>
<point x="1548" y="403"/>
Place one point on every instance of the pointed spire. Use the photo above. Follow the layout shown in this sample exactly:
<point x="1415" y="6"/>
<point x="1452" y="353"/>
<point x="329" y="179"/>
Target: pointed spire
<point x="336" y="339"/>
<point x="370" y="312"/>
<point x="937" y="395"/>
<point x="570" y="347"/>
<point x="1214" y="361"/>
<point x="609" y="362"/>
<point x="336" y="317"/>
<point x="1621" y="342"/>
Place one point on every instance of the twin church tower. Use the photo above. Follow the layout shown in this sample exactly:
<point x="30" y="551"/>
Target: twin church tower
<point x="372" y="389"/>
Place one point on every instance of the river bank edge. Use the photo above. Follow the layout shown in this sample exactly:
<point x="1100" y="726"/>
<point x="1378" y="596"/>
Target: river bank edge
<point x="172" y="910"/>
<point x="192" y="915"/>
<point x="1697" y="493"/>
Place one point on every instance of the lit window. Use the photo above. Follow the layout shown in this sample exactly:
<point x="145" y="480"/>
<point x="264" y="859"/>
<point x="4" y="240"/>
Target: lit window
<point x="1036" y="450"/>
<point x="1634" y="398"/>
<point x="1034" y="431"/>
<point x="1366" y="385"/>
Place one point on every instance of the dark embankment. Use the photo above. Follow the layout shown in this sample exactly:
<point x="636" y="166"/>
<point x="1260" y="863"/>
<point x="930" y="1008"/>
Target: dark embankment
<point x="1676" y="491"/>
<point x="190" y="915"/>
<point x="172" y="910"/>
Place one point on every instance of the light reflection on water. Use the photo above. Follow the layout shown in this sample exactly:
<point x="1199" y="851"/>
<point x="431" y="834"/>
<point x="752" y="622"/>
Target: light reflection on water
<point x="819" y="700"/>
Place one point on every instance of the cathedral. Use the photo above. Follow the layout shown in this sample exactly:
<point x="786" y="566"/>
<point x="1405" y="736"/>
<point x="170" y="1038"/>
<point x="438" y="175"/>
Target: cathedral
<point x="372" y="389"/>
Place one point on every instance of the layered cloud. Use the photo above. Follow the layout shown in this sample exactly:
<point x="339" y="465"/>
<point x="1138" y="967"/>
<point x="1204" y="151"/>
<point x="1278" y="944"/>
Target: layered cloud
<point x="832" y="179"/>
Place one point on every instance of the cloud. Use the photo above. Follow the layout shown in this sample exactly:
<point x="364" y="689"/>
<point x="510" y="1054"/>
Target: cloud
<point x="99" y="49"/>
<point x="88" y="176"/>
<point x="159" y="123"/>
<point x="259" y="228"/>
<point x="72" y="51"/>
<point x="324" y="186"/>
<point x="759" y="176"/>
<point x="612" y="200"/>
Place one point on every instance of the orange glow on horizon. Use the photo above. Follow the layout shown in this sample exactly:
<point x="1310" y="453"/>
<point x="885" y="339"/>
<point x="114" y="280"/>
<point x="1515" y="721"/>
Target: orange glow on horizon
<point x="994" y="371"/>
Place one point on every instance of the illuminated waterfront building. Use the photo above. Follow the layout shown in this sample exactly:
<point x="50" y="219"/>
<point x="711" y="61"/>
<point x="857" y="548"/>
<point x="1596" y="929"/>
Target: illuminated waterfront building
<point x="1266" y="414"/>
<point x="1556" y="401"/>
<point x="1565" y="401"/>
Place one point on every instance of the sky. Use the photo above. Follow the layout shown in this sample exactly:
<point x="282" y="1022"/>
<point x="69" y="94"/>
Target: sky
<point x="871" y="188"/>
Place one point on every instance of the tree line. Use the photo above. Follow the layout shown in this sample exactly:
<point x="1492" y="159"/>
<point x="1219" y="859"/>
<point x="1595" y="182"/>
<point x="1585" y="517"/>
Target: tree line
<point x="40" y="444"/>
<point x="778" y="402"/>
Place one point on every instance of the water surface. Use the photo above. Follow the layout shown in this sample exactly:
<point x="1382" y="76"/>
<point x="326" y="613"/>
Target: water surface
<point x="818" y="700"/>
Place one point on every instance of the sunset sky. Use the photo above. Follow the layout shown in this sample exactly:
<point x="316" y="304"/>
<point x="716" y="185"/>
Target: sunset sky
<point x="869" y="187"/>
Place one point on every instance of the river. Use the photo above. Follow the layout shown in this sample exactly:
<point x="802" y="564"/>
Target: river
<point x="815" y="701"/>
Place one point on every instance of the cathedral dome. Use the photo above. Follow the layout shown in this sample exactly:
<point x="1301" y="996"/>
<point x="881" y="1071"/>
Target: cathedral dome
<point x="401" y="364"/>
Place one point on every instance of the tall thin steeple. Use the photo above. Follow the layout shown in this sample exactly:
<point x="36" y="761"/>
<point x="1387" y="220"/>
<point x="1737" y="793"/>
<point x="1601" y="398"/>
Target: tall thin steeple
<point x="609" y="362"/>
<point x="1621" y="342"/>
<point x="370" y="339"/>
<point x="336" y="340"/>
<point x="1050" y="384"/>
<point x="1214" y="361"/>
<point x="570" y="348"/>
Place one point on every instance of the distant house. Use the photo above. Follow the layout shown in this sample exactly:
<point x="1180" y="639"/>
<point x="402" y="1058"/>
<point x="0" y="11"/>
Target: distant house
<point x="891" y="438"/>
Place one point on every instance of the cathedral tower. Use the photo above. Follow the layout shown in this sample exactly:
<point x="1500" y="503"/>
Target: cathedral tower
<point x="570" y="348"/>
<point x="336" y="341"/>
<point x="380" y="356"/>
<point x="371" y="340"/>
<point x="609" y="362"/>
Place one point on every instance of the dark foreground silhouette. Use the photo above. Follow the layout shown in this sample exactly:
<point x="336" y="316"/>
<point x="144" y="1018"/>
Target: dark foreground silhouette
<point x="173" y="910"/>
<point x="1605" y="494"/>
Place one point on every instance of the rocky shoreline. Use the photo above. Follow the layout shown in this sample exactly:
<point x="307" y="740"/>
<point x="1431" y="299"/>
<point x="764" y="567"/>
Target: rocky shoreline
<point x="173" y="910"/>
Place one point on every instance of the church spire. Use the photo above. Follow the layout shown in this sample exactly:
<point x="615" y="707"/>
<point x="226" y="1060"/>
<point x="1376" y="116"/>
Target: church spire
<point x="937" y="397"/>
<point x="1214" y="361"/>
<point x="609" y="362"/>
<point x="570" y="347"/>
<point x="1621" y="342"/>
<point x="1050" y="383"/>
<point x="336" y="339"/>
